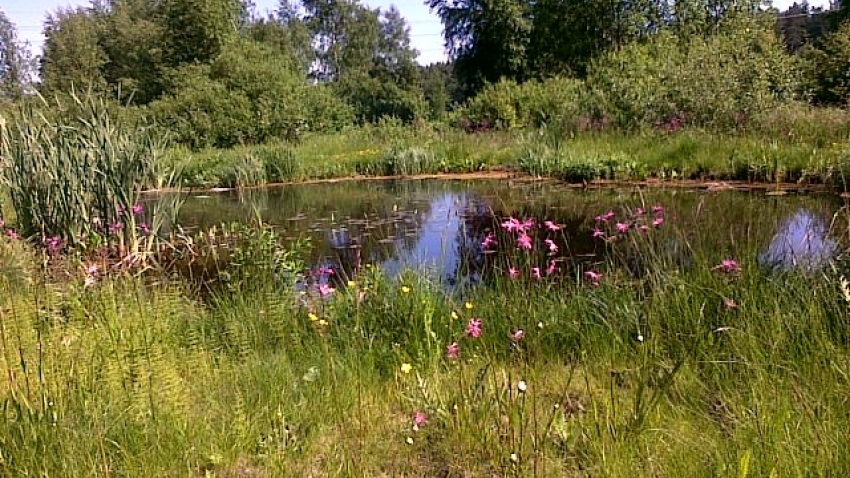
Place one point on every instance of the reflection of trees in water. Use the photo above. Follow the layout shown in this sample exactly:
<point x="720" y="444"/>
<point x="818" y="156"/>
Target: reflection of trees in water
<point x="802" y="240"/>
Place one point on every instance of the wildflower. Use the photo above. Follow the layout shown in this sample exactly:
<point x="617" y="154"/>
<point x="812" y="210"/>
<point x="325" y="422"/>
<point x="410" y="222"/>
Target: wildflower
<point x="121" y="210"/>
<point x="622" y="227"/>
<point x="606" y="217"/>
<point x="553" y="248"/>
<point x="593" y="277"/>
<point x="409" y="440"/>
<point x="89" y="281"/>
<point x="405" y="289"/>
<point x="640" y="338"/>
<point x="729" y="266"/>
<point x="419" y="419"/>
<point x="473" y="328"/>
<point x="468" y="306"/>
<point x="517" y="335"/>
<point x="326" y="271"/>
<point x="643" y="228"/>
<point x="552" y="226"/>
<point x="116" y="227"/>
<point x="598" y="233"/>
<point x="325" y="290"/>
<point x="658" y="209"/>
<point x="489" y="241"/>
<point x="513" y="272"/>
<point x="138" y="209"/>
<point x="12" y="234"/>
<point x="146" y="229"/>
<point x="512" y="224"/>
<point x="53" y="244"/>
<point x="522" y="386"/>
<point x="322" y="322"/>
<point x="658" y="222"/>
<point x="92" y="269"/>
<point x="524" y="241"/>
<point x="351" y="283"/>
<point x="640" y="211"/>
<point x="535" y="273"/>
<point x="313" y="317"/>
<point x="453" y="350"/>
<point x="553" y="267"/>
<point x="514" y="458"/>
<point x="454" y="315"/>
<point x="406" y="368"/>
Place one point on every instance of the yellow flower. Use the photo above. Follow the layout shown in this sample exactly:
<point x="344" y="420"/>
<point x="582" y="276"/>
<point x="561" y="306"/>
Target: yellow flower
<point x="405" y="289"/>
<point x="323" y="322"/>
<point x="351" y="283"/>
<point x="454" y="315"/>
<point x="313" y="317"/>
<point x="468" y="306"/>
<point x="406" y="367"/>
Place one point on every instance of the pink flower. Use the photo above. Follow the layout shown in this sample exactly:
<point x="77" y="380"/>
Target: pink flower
<point x="92" y="269"/>
<point x="658" y="222"/>
<point x="513" y="272"/>
<point x="598" y="233"/>
<point x="640" y="211"/>
<point x="535" y="273"/>
<point x="116" y="227"/>
<point x="527" y="225"/>
<point x="512" y="224"/>
<point x="12" y="234"/>
<point x="419" y="419"/>
<point x="553" y="248"/>
<point x="606" y="217"/>
<point x="453" y="350"/>
<point x="658" y="209"/>
<point x="326" y="271"/>
<point x="146" y="229"/>
<point x="473" y="328"/>
<point x="138" y="209"/>
<point x="517" y="335"/>
<point x="325" y="290"/>
<point x="593" y="276"/>
<point x="622" y="227"/>
<point x="489" y="241"/>
<point x="553" y="226"/>
<point x="553" y="267"/>
<point x="729" y="266"/>
<point x="121" y="210"/>
<point x="524" y="241"/>
<point x="54" y="244"/>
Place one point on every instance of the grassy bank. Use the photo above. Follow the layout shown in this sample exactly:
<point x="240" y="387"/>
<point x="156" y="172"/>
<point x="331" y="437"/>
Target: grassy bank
<point x="707" y="369"/>
<point x="585" y="157"/>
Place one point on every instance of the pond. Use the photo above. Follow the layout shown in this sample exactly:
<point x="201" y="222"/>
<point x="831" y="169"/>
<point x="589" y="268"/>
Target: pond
<point x="441" y="227"/>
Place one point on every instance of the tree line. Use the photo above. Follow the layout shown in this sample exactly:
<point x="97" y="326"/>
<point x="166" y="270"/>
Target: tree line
<point x="218" y="73"/>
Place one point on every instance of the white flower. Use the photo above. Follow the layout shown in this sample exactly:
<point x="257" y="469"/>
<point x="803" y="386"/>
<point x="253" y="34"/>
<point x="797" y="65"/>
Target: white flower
<point x="522" y="386"/>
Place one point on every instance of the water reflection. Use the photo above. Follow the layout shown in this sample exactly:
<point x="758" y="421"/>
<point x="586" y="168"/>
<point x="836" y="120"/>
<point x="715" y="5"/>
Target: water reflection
<point x="802" y="241"/>
<point x="436" y="227"/>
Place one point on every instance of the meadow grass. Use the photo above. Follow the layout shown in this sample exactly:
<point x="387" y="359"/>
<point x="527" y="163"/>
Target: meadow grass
<point x="693" y="370"/>
<point x="581" y="157"/>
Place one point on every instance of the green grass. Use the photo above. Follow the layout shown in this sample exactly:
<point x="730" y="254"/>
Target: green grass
<point x="586" y="157"/>
<point x="635" y="377"/>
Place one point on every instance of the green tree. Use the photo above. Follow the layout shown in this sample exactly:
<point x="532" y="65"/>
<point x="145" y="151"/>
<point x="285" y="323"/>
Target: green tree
<point x="14" y="62"/>
<point x="828" y="68"/>
<point x="196" y="31"/>
<point x="73" y="56"/>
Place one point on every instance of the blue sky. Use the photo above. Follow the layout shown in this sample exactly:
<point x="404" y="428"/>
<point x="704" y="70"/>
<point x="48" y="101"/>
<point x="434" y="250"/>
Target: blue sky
<point x="425" y="27"/>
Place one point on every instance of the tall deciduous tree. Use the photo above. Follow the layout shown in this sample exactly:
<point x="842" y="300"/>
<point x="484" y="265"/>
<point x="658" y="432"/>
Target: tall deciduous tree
<point x="14" y="61"/>
<point x="73" y="57"/>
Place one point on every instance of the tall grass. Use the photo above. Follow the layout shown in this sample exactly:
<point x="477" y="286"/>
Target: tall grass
<point x="681" y="370"/>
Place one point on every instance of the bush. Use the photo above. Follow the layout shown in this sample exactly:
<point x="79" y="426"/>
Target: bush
<point x="717" y="81"/>
<point x="828" y="68"/>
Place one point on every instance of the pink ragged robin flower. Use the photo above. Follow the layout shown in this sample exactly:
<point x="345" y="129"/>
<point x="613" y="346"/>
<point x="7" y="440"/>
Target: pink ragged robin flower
<point x="598" y="233"/>
<point x="552" y="226"/>
<point x="640" y="211"/>
<point x="54" y="244"/>
<point x="623" y="227"/>
<point x="489" y="241"/>
<point x="536" y="274"/>
<point x="553" y="267"/>
<point x="513" y="272"/>
<point x="92" y="269"/>
<point x="658" y="222"/>
<point x="643" y="228"/>
<point x="511" y="225"/>
<point x="658" y="209"/>
<point x="12" y="234"/>
<point x="474" y="328"/>
<point x="729" y="266"/>
<point x="550" y="244"/>
<point x="453" y="350"/>
<point x="145" y="228"/>
<point x="116" y="227"/>
<point x="593" y="276"/>
<point x="138" y="209"/>
<point x="524" y="242"/>
<point x="325" y="290"/>
<point x="606" y="217"/>
<point x="419" y="418"/>
<point x="517" y="335"/>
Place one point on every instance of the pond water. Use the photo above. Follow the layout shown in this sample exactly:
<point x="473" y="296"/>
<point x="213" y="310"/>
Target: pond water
<point x="440" y="227"/>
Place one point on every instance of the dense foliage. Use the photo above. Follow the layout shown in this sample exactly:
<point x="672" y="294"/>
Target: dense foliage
<point x="218" y="74"/>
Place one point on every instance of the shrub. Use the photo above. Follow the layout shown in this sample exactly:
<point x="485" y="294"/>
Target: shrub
<point x="828" y="68"/>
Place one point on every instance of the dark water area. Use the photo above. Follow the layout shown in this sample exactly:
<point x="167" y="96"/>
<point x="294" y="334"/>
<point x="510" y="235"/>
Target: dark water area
<point x="441" y="227"/>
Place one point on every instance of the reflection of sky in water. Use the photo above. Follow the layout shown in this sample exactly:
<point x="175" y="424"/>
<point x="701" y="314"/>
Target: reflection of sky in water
<point x="801" y="241"/>
<point x="434" y="252"/>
